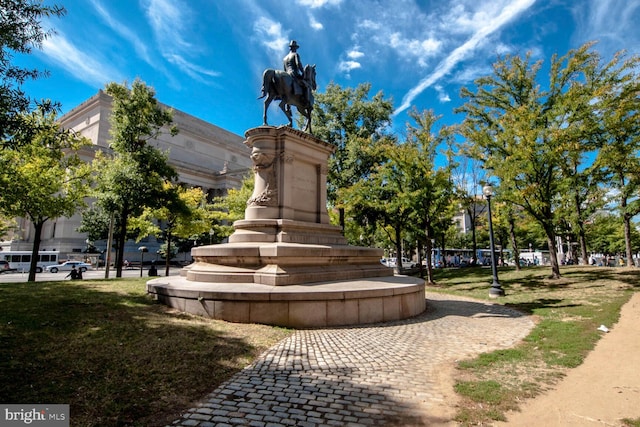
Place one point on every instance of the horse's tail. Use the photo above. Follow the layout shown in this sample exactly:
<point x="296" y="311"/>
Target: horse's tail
<point x="267" y="81"/>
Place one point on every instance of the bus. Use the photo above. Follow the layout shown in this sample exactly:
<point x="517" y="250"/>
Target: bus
<point x="21" y="260"/>
<point x="451" y="257"/>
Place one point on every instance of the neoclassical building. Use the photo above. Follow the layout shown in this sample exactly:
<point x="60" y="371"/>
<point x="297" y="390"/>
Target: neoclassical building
<point x="203" y="154"/>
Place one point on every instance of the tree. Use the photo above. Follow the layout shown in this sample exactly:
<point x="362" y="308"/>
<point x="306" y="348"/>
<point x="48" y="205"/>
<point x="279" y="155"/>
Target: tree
<point x="467" y="177"/>
<point x="527" y="136"/>
<point x="618" y="157"/>
<point x="406" y="191"/>
<point x="229" y="208"/>
<point x="375" y="202"/>
<point x="20" y="31"/>
<point x="184" y="214"/>
<point x="42" y="176"/>
<point x="606" y="235"/>
<point x="348" y="119"/>
<point x="132" y="178"/>
<point x="428" y="190"/>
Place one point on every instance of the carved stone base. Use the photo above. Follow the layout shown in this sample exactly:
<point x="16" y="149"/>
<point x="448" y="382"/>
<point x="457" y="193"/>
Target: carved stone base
<point x="322" y="304"/>
<point x="278" y="264"/>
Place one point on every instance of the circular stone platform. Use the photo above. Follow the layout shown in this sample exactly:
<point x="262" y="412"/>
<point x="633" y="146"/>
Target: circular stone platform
<point x="319" y="304"/>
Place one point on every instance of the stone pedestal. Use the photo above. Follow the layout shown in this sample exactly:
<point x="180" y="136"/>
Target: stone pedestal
<point x="285" y="255"/>
<point x="290" y="175"/>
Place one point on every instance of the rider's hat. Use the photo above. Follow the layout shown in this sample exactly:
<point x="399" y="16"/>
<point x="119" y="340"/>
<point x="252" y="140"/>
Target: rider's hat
<point x="294" y="44"/>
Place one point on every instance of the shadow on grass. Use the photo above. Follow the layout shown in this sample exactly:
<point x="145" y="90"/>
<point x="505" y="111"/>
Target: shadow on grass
<point x="532" y="306"/>
<point x="116" y="357"/>
<point x="628" y="276"/>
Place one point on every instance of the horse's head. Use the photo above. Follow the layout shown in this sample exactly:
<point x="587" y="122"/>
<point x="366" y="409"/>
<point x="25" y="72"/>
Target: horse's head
<point x="310" y="75"/>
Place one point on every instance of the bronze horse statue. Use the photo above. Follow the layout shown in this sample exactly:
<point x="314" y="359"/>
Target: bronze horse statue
<point x="278" y="85"/>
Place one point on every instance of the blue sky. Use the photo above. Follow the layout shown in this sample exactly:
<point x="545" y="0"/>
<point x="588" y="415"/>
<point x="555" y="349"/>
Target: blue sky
<point x="206" y="57"/>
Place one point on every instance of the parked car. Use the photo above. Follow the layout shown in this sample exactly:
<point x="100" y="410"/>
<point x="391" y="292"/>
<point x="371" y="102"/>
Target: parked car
<point x="406" y="263"/>
<point x="5" y="267"/>
<point x="68" y="266"/>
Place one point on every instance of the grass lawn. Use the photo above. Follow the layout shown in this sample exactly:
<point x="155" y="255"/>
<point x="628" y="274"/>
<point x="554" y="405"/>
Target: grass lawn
<point x="120" y="359"/>
<point x="568" y="312"/>
<point x="112" y="353"/>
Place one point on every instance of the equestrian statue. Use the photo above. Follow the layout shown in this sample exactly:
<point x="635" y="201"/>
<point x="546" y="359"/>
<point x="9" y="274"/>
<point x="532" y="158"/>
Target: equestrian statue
<point x="293" y="86"/>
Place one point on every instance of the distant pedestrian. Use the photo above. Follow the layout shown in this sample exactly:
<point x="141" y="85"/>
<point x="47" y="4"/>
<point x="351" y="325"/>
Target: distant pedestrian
<point x="73" y="273"/>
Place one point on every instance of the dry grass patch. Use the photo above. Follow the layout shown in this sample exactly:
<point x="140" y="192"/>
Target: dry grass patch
<point x="112" y="353"/>
<point x="568" y="313"/>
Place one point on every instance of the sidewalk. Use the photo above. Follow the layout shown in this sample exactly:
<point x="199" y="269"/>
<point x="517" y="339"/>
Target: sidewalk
<point x="603" y="390"/>
<point x="392" y="374"/>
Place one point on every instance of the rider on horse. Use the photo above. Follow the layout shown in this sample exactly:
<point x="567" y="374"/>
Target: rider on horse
<point x="293" y="67"/>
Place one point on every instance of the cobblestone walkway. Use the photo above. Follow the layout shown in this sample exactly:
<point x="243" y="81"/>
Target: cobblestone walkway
<point x="374" y="375"/>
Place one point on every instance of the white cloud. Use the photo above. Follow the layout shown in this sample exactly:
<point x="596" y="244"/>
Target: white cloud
<point x="489" y="25"/>
<point x="613" y="23"/>
<point x="355" y="54"/>
<point x="314" y="4"/>
<point x="271" y="35"/>
<point x="471" y="72"/>
<point x="82" y="66"/>
<point x="414" y="49"/>
<point x="313" y="23"/>
<point x="442" y="95"/>
<point x="347" y="66"/>
<point x="169" y="20"/>
<point x="123" y="31"/>
<point x="192" y="70"/>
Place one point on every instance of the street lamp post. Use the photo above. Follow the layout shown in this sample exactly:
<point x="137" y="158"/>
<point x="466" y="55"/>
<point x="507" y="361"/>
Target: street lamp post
<point x="496" y="290"/>
<point x="142" y="250"/>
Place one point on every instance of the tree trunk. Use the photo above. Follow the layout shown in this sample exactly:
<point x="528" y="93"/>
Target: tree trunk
<point x="514" y="242"/>
<point x="122" y="238"/>
<point x="420" y="247"/>
<point x="626" y="218"/>
<point x="474" y="239"/>
<point x="168" y="254"/>
<point x="626" y="221"/>
<point x="553" y="254"/>
<point x="582" y="240"/>
<point x="429" y="251"/>
<point x="398" y="230"/>
<point x="37" y="238"/>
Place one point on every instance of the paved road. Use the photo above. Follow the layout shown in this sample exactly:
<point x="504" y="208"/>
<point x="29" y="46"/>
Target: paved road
<point x="388" y="374"/>
<point x="91" y="274"/>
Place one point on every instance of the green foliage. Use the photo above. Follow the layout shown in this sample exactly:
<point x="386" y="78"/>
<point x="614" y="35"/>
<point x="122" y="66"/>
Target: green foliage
<point x="605" y="235"/>
<point x="618" y="157"/>
<point x="230" y="208"/>
<point x="42" y="176"/>
<point x="533" y="140"/>
<point x="348" y="119"/>
<point x="6" y="225"/>
<point x="428" y="190"/>
<point x="133" y="177"/>
<point x="95" y="222"/>
<point x="21" y="29"/>
<point x="183" y="215"/>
